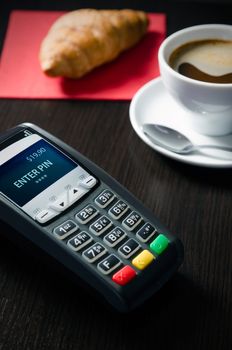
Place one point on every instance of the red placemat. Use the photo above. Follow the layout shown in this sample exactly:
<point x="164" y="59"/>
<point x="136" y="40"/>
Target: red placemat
<point x="21" y="76"/>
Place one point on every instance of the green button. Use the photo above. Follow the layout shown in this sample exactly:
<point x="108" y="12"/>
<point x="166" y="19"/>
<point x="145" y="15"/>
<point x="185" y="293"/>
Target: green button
<point x="159" y="244"/>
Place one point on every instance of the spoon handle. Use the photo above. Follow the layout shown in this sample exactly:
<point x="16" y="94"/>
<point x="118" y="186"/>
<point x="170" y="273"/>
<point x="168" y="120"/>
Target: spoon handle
<point x="216" y="147"/>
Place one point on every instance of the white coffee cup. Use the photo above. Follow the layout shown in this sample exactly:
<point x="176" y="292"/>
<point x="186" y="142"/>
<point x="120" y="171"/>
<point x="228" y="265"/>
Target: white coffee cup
<point x="208" y="105"/>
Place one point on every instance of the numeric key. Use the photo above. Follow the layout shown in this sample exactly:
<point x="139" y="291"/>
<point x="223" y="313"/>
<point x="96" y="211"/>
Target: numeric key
<point x="101" y="225"/>
<point x="114" y="237"/>
<point x="129" y="248"/>
<point x="104" y="198"/>
<point x="94" y="252"/>
<point x="118" y="210"/>
<point x="65" y="229"/>
<point x="132" y="221"/>
<point x="86" y="214"/>
<point x="79" y="241"/>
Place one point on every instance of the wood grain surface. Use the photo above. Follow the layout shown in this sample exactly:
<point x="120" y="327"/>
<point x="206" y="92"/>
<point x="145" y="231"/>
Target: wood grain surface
<point x="40" y="308"/>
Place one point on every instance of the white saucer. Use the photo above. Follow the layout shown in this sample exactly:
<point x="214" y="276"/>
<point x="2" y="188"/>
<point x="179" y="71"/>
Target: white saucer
<point x="152" y="103"/>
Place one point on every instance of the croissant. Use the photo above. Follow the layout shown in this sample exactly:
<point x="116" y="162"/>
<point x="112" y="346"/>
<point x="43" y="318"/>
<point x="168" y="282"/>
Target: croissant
<point x="84" y="39"/>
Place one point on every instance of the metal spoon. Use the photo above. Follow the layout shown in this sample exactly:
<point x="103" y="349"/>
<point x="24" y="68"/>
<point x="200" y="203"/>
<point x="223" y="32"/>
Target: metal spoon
<point x="172" y="140"/>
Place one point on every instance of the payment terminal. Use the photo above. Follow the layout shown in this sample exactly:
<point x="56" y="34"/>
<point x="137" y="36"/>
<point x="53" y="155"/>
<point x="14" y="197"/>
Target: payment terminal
<point x="84" y="219"/>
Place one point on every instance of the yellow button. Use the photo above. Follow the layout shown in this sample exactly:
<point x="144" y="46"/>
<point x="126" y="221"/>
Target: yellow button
<point x="142" y="260"/>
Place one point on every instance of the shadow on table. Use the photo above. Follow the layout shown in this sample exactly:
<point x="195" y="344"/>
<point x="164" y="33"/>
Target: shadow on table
<point x="179" y="316"/>
<point x="211" y="176"/>
<point x="204" y="175"/>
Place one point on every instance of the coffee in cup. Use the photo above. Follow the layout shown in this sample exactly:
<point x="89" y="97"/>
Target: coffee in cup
<point x="196" y="69"/>
<point x="205" y="60"/>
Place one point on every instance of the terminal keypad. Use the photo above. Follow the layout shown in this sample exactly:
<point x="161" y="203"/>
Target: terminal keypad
<point x="110" y="235"/>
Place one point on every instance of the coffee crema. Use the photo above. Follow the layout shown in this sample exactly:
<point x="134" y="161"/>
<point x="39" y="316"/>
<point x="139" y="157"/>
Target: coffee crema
<point x="205" y="60"/>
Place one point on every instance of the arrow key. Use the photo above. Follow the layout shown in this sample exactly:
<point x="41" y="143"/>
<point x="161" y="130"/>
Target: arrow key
<point x="61" y="203"/>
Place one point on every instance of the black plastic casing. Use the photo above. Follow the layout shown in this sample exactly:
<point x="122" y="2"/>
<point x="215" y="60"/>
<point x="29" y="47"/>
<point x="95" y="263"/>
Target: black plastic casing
<point x="122" y="298"/>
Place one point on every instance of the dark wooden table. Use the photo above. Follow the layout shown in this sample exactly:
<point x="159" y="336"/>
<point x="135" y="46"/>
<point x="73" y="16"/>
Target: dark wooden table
<point x="42" y="309"/>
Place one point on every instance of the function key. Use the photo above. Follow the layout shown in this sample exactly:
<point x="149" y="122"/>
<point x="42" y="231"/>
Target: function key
<point x="104" y="198"/>
<point x="118" y="210"/>
<point x="132" y="220"/>
<point x="94" y="252"/>
<point x="61" y="203"/>
<point x="45" y="215"/>
<point x="88" y="182"/>
<point x="65" y="229"/>
<point x="109" y="264"/>
<point x="114" y="237"/>
<point x="86" y="214"/>
<point x="79" y="241"/>
<point x="101" y="225"/>
<point x="142" y="260"/>
<point x="159" y="244"/>
<point x="74" y="194"/>
<point x="146" y="232"/>
<point x="129" y="248"/>
<point x="124" y="276"/>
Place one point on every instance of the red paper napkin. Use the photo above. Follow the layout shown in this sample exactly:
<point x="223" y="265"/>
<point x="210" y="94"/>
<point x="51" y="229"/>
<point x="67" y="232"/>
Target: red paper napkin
<point x="21" y="76"/>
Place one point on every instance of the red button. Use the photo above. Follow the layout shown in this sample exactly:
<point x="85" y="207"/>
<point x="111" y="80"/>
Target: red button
<point x="123" y="276"/>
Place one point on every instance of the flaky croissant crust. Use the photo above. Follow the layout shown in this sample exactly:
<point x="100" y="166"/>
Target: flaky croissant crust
<point x="81" y="40"/>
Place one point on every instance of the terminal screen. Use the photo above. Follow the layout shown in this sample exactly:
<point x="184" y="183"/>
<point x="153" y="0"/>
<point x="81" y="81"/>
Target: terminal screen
<point x="31" y="171"/>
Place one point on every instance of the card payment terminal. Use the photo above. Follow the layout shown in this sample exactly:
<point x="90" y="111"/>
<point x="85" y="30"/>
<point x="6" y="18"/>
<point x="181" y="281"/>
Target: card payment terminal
<point x="83" y="218"/>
